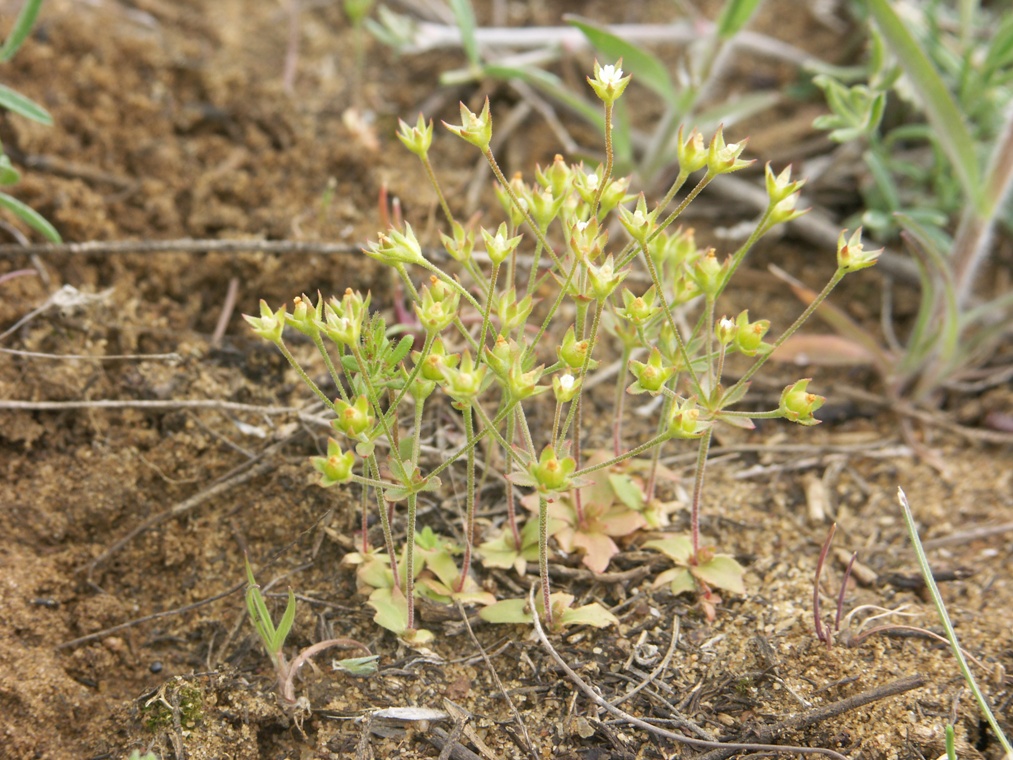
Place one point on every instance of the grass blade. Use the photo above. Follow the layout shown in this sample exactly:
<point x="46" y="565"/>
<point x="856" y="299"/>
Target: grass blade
<point x="22" y="28"/>
<point x="951" y="129"/>
<point x="19" y="104"/>
<point x="944" y="617"/>
<point x="31" y="217"/>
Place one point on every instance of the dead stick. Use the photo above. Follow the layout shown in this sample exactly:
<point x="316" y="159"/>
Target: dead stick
<point x="806" y="719"/>
<point x="154" y="616"/>
<point x="184" y="245"/>
<point x="151" y="404"/>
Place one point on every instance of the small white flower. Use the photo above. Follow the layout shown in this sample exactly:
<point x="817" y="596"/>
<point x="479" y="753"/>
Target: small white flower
<point x="610" y="75"/>
<point x="566" y="382"/>
<point x="592" y="180"/>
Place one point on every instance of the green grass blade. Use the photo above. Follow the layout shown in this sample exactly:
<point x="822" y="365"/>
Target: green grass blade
<point x="285" y="626"/>
<point x="22" y="28"/>
<point x="31" y="217"/>
<point x="646" y="68"/>
<point x="944" y="617"/>
<point x="464" y="14"/>
<point x="19" y="104"/>
<point x="734" y="16"/>
<point x="940" y="107"/>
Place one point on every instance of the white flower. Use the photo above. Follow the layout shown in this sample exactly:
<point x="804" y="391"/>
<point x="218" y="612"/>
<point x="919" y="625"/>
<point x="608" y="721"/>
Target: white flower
<point x="610" y="75"/>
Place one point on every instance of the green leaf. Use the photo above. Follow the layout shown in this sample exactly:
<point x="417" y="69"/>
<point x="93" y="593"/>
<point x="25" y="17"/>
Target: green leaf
<point x="734" y="16"/>
<point x="464" y="15"/>
<point x="285" y="626"/>
<point x="680" y="581"/>
<point x="627" y="490"/>
<point x="401" y="350"/>
<point x="646" y="68"/>
<point x="391" y="609"/>
<point x="19" y="104"/>
<point x="508" y="611"/>
<point x="590" y="614"/>
<point x="22" y="28"/>
<point x="722" y="571"/>
<point x="1000" y="52"/>
<point x="940" y="107"/>
<point x="8" y="174"/>
<point x="677" y="548"/>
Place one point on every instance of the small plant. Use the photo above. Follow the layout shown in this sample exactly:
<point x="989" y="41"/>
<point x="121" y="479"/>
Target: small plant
<point x="510" y="337"/>
<point x="273" y="638"/>
<point x="947" y="170"/>
<point x="19" y="104"/>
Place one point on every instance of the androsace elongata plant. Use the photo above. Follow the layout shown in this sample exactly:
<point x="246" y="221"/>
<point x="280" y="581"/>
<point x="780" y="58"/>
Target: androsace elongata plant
<point x="485" y="346"/>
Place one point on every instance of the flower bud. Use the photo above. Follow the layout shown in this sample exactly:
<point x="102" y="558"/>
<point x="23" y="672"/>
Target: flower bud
<point x="691" y="153"/>
<point x="436" y="361"/>
<point x="354" y="420"/>
<point x="512" y="313"/>
<point x="550" y="473"/>
<point x="522" y="385"/>
<point x="555" y="178"/>
<point x="798" y="405"/>
<point x="269" y="325"/>
<point x="722" y="158"/>
<point x="305" y="317"/>
<point x="393" y="248"/>
<point x="418" y="138"/>
<point x="499" y="246"/>
<point x="460" y="245"/>
<point x="651" y="375"/>
<point x="476" y="129"/>
<point x="749" y="335"/>
<point x="514" y="211"/>
<point x="544" y="207"/>
<point x="684" y="421"/>
<point x="336" y="467"/>
<point x="724" y="330"/>
<point x="501" y="357"/>
<point x="463" y="384"/>
<point x="613" y="194"/>
<point x="780" y="187"/>
<point x="708" y="274"/>
<point x="640" y="222"/>
<point x="605" y="279"/>
<point x="573" y="352"/>
<point x="343" y="319"/>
